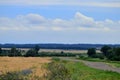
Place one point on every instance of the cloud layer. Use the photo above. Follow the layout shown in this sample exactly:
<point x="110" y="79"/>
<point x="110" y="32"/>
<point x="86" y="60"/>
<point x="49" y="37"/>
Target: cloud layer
<point x="36" y="22"/>
<point x="36" y="28"/>
<point x="98" y="3"/>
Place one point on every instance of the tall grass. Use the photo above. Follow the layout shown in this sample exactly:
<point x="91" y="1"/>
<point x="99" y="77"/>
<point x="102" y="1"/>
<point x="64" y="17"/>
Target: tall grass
<point x="20" y="68"/>
<point x="64" y="70"/>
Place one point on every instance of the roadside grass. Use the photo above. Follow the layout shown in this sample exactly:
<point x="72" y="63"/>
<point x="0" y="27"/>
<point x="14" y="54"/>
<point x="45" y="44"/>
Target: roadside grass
<point x="77" y="71"/>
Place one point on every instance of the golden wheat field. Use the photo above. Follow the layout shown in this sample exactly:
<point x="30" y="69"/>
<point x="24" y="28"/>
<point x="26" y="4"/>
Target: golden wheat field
<point x="11" y="64"/>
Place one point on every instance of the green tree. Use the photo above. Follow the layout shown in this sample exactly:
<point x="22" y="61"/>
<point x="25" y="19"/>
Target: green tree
<point x="114" y="54"/>
<point x="37" y="48"/>
<point x="14" y="52"/>
<point x="0" y="50"/>
<point x="62" y="52"/>
<point x="91" y="52"/>
<point x="105" y="49"/>
<point x="31" y="53"/>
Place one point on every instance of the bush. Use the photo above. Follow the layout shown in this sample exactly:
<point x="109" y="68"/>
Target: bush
<point x="57" y="71"/>
<point x="114" y="54"/>
<point x="31" y="53"/>
<point x="105" y="49"/>
<point x="83" y="57"/>
<point x="56" y="59"/>
<point x="100" y="56"/>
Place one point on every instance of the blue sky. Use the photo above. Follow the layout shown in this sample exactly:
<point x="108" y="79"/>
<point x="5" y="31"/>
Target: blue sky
<point x="59" y="21"/>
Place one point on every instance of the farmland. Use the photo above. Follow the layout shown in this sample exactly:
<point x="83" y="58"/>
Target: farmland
<point x="55" y="50"/>
<point x="34" y="64"/>
<point x="18" y="64"/>
<point x="37" y="68"/>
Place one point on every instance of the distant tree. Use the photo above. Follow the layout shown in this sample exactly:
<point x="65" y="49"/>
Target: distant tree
<point x="114" y="54"/>
<point x="14" y="52"/>
<point x="33" y="52"/>
<point x="62" y="52"/>
<point x="0" y="50"/>
<point x="30" y="53"/>
<point x="91" y="52"/>
<point x="37" y="48"/>
<point x="105" y="49"/>
<point x="117" y="54"/>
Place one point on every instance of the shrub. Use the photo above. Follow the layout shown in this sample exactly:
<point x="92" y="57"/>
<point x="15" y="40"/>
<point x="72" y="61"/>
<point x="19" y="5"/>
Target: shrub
<point x="58" y="71"/>
<point x="100" y="56"/>
<point x="114" y="54"/>
<point x="31" y="53"/>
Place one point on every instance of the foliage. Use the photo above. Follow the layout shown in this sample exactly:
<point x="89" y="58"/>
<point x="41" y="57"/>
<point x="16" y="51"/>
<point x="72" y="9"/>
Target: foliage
<point x="57" y="71"/>
<point x="78" y="71"/>
<point x="114" y="54"/>
<point x="31" y="53"/>
<point x="98" y="55"/>
<point x="0" y="50"/>
<point x="36" y="48"/>
<point x="62" y="52"/>
<point x="105" y="49"/>
<point x="91" y="52"/>
<point x="56" y="59"/>
<point x="14" y="52"/>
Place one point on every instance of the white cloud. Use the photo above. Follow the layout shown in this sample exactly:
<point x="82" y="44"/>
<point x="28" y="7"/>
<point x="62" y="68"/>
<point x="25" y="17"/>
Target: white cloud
<point x="98" y="3"/>
<point x="36" y="22"/>
<point x="79" y="29"/>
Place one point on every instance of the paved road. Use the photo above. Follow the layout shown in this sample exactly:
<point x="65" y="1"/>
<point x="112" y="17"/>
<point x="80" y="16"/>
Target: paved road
<point x="97" y="65"/>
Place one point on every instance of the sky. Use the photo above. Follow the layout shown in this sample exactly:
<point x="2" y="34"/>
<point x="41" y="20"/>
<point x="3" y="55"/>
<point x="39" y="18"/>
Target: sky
<point x="60" y="21"/>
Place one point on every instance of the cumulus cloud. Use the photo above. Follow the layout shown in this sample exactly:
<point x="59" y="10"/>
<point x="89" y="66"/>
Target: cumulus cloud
<point x="98" y="3"/>
<point x="36" y="22"/>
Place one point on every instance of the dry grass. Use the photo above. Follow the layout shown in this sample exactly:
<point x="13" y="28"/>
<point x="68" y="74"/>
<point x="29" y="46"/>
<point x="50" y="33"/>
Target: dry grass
<point x="10" y="64"/>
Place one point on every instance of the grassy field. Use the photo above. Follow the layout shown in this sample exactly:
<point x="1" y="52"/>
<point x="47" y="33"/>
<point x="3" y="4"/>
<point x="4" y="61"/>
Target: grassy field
<point x="78" y="71"/>
<point x="36" y="68"/>
<point x="31" y="66"/>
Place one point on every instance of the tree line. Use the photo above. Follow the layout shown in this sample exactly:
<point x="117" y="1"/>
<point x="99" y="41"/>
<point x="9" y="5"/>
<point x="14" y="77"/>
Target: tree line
<point x="33" y="52"/>
<point x="110" y="53"/>
<point x="13" y="52"/>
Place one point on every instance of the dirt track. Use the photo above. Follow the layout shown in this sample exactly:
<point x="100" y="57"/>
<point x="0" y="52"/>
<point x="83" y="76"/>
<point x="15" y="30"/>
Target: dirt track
<point x="97" y="65"/>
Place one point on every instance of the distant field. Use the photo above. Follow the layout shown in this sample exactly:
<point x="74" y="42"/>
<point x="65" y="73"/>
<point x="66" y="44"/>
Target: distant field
<point x="57" y="50"/>
<point x="17" y="64"/>
<point x="66" y="51"/>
